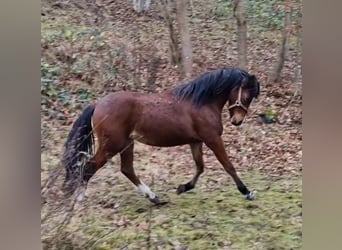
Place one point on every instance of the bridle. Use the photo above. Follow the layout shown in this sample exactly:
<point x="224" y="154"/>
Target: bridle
<point x="238" y="102"/>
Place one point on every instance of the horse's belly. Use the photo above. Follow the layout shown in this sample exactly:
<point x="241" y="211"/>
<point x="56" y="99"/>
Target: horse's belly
<point x="162" y="139"/>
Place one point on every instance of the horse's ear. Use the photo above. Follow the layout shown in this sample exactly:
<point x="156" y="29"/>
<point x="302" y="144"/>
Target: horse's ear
<point x="251" y="78"/>
<point x="254" y="83"/>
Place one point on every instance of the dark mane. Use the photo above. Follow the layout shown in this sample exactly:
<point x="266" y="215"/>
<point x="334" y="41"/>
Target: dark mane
<point x="211" y="84"/>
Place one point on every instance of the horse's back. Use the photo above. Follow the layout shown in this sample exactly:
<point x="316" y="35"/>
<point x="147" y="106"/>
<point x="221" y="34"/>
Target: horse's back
<point x="128" y="108"/>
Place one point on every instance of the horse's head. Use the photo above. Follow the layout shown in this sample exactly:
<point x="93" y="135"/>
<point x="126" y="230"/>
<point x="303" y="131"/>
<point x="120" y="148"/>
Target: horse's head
<point x="241" y="97"/>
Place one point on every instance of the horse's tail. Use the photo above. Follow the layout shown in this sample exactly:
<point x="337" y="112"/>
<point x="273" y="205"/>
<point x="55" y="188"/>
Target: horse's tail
<point x="78" y="150"/>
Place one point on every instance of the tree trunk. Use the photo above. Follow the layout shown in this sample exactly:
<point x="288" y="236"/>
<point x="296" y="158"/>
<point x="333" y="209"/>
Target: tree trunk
<point x="298" y="58"/>
<point x="240" y="15"/>
<point x="175" y="57"/>
<point x="185" y="37"/>
<point x="141" y="5"/>
<point x="298" y="75"/>
<point x="275" y="75"/>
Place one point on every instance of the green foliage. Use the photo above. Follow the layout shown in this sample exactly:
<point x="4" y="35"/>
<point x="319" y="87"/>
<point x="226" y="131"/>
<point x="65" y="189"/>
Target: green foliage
<point x="84" y="95"/>
<point x="82" y="53"/>
<point x="49" y="78"/>
<point x="271" y="114"/>
<point x="223" y="9"/>
<point x="79" y="67"/>
<point x="266" y="14"/>
<point x="50" y="71"/>
<point x="66" y="33"/>
<point x="53" y="92"/>
<point x="76" y="53"/>
<point x="262" y="15"/>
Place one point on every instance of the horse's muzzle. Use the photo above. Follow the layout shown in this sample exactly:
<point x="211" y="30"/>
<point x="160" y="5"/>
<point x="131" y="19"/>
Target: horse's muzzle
<point x="237" y="123"/>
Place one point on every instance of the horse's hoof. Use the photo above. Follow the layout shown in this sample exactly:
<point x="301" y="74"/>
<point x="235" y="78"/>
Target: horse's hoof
<point x="155" y="200"/>
<point x="181" y="189"/>
<point x="251" y="196"/>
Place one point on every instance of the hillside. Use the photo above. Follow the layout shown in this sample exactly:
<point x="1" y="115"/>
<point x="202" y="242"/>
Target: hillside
<point x="93" y="48"/>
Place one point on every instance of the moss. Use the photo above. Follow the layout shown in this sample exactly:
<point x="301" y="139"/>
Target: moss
<point x="210" y="219"/>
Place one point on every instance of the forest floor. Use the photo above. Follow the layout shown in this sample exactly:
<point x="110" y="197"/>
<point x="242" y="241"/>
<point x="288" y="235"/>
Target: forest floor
<point x="88" y="51"/>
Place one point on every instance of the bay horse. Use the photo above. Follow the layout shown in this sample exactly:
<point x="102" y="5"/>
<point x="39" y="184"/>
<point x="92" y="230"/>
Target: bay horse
<point x="187" y="114"/>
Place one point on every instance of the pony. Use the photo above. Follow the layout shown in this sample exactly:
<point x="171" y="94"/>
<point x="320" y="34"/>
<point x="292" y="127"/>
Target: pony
<point x="187" y="114"/>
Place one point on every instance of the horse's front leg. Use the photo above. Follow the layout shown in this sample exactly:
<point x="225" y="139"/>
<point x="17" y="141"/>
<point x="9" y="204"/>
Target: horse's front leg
<point x="197" y="155"/>
<point x="217" y="146"/>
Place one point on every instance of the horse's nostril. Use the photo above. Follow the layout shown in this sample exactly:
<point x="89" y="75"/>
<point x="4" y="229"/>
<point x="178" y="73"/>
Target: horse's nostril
<point x="235" y="123"/>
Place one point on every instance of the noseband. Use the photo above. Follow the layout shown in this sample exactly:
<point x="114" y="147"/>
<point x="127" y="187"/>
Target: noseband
<point x="238" y="102"/>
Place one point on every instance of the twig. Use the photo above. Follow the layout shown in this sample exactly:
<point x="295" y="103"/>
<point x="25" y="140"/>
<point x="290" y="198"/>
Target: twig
<point x="129" y="144"/>
<point x="104" y="237"/>
<point x="69" y="204"/>
<point x="150" y="220"/>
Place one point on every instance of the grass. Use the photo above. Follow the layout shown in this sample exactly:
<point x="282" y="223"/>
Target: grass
<point x="214" y="218"/>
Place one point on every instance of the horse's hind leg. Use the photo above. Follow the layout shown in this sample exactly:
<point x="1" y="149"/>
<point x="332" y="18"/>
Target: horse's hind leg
<point x="197" y="154"/>
<point x="127" y="169"/>
<point x="92" y="166"/>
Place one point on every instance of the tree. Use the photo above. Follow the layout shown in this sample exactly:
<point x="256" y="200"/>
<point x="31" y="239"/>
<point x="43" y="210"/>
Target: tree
<point x="240" y="15"/>
<point x="175" y="57"/>
<point x="185" y="37"/>
<point x="275" y="74"/>
<point x="141" y="5"/>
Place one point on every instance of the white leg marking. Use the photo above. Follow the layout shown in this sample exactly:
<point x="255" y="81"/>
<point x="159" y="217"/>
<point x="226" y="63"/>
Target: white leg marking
<point x="146" y="190"/>
<point x="251" y="196"/>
